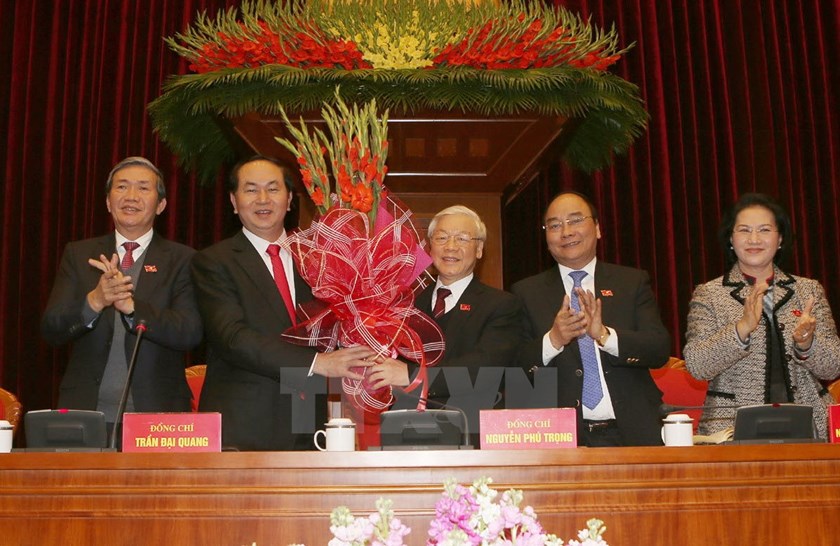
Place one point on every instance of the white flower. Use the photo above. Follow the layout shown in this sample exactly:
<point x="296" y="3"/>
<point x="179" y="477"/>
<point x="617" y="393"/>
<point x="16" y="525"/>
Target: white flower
<point x="592" y="535"/>
<point x="455" y="537"/>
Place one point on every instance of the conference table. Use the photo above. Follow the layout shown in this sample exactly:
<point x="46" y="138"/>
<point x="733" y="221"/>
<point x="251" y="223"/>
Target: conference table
<point x="731" y="494"/>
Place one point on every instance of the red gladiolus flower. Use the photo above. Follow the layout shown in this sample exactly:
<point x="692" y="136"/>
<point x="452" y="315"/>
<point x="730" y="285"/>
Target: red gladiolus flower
<point x="306" y="175"/>
<point x="370" y="171"/>
<point x="264" y="46"/>
<point x="362" y="198"/>
<point x="345" y="185"/>
<point x="317" y="196"/>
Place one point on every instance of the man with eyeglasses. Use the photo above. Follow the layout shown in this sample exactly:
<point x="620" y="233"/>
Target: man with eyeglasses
<point x="481" y="324"/>
<point x="598" y="324"/>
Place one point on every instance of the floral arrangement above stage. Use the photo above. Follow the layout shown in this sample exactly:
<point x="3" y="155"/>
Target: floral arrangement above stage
<point x="474" y="515"/>
<point x="362" y="254"/>
<point x="488" y="57"/>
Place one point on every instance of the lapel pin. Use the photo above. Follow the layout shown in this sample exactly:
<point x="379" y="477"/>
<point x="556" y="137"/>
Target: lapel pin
<point x="606" y="293"/>
<point x="465" y="307"/>
<point x="150" y="268"/>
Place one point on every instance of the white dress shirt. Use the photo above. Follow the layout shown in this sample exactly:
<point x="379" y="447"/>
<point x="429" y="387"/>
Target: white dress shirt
<point x="604" y="409"/>
<point x="261" y="245"/>
<point x="457" y="289"/>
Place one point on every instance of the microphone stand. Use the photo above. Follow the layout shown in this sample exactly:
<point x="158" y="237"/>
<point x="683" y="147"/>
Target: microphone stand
<point x="140" y="329"/>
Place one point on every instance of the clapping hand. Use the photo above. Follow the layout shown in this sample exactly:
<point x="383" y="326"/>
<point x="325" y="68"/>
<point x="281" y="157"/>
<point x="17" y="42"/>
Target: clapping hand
<point x="803" y="333"/>
<point x="568" y="325"/>
<point x="113" y="287"/>
<point x="753" y="308"/>
<point x="591" y="307"/>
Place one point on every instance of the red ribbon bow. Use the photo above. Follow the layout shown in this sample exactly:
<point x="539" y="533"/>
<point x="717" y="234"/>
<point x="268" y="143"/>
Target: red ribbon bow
<point x="363" y="285"/>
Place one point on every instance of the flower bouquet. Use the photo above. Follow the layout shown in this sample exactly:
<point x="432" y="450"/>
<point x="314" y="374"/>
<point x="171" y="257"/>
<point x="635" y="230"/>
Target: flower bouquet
<point x="362" y="254"/>
<point x="474" y="515"/>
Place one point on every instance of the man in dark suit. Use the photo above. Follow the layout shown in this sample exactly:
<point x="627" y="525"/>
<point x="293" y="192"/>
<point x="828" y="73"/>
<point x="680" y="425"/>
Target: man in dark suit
<point x="602" y="348"/>
<point x="97" y="301"/>
<point x="481" y="324"/>
<point x="271" y="393"/>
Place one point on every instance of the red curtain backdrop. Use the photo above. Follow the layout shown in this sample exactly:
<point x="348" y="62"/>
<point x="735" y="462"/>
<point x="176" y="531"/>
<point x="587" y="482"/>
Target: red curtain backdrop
<point x="741" y="97"/>
<point x="78" y="76"/>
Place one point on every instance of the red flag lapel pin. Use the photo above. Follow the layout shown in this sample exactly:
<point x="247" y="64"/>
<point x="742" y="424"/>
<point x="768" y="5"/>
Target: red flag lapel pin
<point x="150" y="268"/>
<point x="464" y="307"/>
<point x="606" y="293"/>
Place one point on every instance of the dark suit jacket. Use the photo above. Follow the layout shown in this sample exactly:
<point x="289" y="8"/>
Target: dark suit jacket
<point x="483" y="329"/>
<point x="254" y="378"/>
<point x="629" y="307"/>
<point x="164" y="299"/>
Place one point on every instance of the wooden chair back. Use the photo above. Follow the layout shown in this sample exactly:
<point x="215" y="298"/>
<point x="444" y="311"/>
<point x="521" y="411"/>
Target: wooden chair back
<point x="10" y="408"/>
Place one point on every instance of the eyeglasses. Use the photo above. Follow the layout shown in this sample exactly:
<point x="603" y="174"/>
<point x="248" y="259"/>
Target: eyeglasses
<point x="746" y="231"/>
<point x="556" y="225"/>
<point x="461" y="239"/>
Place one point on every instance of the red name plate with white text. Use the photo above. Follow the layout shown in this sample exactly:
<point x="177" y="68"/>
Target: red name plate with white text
<point x="528" y="428"/>
<point x="834" y="424"/>
<point x="172" y="432"/>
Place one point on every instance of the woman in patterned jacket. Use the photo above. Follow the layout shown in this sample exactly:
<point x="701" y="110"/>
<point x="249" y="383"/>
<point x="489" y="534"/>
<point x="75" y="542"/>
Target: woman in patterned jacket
<point x="757" y="334"/>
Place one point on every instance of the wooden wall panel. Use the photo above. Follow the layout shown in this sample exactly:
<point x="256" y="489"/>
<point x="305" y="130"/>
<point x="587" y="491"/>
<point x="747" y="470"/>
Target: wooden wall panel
<point x="437" y="159"/>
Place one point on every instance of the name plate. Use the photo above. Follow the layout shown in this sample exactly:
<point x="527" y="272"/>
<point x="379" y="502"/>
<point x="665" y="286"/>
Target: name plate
<point x="172" y="432"/>
<point x="528" y="428"/>
<point x="834" y="424"/>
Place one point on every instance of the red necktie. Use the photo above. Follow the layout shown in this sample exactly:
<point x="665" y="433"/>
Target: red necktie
<point x="128" y="258"/>
<point x="440" y="304"/>
<point x="280" y="280"/>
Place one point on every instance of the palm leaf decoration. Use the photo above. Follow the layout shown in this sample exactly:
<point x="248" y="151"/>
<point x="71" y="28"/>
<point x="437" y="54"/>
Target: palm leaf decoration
<point x="486" y="57"/>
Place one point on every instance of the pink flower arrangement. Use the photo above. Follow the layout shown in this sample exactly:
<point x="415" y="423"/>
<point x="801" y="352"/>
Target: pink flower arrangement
<point x="472" y="516"/>
<point x="378" y="529"/>
<point x="464" y="516"/>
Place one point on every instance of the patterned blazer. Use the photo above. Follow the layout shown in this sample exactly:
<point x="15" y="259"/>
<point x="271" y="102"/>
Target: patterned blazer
<point x="740" y="376"/>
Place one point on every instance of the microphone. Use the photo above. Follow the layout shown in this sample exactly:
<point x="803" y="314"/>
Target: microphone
<point x="139" y="329"/>
<point x="441" y="405"/>
<point x="665" y="409"/>
<point x="774" y="422"/>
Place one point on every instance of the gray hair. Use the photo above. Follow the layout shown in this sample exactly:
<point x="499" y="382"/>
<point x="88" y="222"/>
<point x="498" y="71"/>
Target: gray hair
<point x="137" y="161"/>
<point x="481" y="229"/>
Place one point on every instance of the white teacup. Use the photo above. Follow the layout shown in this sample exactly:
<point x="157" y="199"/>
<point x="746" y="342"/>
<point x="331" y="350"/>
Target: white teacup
<point x="678" y="430"/>
<point x="340" y="435"/>
<point x="6" y="436"/>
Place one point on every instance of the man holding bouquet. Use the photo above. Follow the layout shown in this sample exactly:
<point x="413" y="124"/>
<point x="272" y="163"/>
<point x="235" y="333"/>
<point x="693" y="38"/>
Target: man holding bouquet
<point x="481" y="324"/>
<point x="271" y="393"/>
